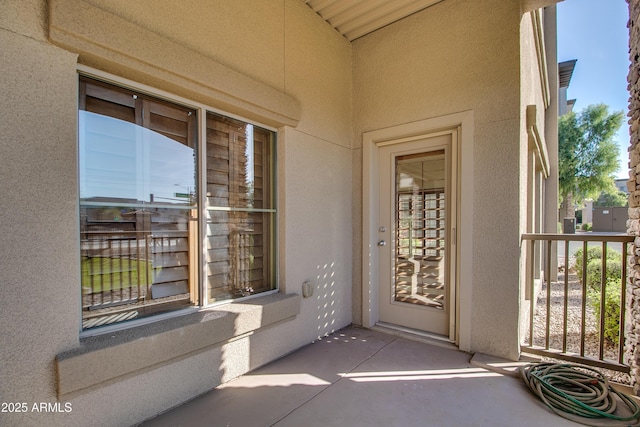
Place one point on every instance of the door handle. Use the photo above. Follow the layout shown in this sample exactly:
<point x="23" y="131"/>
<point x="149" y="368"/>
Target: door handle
<point x="382" y="243"/>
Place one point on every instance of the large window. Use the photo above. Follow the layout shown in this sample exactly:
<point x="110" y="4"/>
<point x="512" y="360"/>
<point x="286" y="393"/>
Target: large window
<point x="240" y="209"/>
<point x="142" y="208"/>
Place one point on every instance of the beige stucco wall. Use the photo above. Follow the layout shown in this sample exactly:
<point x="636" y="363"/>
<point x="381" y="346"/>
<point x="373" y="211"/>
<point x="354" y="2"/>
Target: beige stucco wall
<point x="459" y="56"/>
<point x="530" y="94"/>
<point x="38" y="181"/>
<point x="275" y="62"/>
<point x="551" y="122"/>
<point x="535" y="81"/>
<point x="530" y="87"/>
<point x="226" y="31"/>
<point x="278" y="52"/>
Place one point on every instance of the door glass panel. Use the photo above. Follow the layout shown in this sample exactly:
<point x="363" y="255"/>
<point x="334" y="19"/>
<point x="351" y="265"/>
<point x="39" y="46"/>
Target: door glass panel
<point x="420" y="273"/>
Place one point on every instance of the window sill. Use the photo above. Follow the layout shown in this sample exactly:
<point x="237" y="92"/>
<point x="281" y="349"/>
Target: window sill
<point x="100" y="359"/>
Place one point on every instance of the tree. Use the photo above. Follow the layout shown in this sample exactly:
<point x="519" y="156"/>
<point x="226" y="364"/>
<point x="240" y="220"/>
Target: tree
<point x="616" y="198"/>
<point x="588" y="156"/>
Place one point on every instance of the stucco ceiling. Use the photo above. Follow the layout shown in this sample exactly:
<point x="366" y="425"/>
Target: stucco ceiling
<point x="356" y="18"/>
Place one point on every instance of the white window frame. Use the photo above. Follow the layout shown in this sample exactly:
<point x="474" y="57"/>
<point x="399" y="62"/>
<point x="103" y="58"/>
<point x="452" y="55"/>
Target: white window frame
<point x="201" y="111"/>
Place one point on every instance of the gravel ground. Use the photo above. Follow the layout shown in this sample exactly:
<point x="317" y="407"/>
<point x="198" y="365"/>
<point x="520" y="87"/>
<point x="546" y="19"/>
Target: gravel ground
<point x="574" y="320"/>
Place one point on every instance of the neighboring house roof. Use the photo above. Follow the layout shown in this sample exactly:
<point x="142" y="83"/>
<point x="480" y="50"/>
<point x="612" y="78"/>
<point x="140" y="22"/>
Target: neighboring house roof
<point x="565" y="71"/>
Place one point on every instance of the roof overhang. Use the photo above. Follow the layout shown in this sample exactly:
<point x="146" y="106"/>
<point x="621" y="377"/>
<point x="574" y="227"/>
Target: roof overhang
<point x="529" y="5"/>
<point x="356" y="18"/>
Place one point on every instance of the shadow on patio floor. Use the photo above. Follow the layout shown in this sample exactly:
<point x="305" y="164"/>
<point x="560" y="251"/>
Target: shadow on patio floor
<point x="362" y="377"/>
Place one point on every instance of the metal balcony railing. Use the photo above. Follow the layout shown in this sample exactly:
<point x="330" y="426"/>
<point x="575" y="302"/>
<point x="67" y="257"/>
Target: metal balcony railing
<point x="576" y="286"/>
<point x="128" y="272"/>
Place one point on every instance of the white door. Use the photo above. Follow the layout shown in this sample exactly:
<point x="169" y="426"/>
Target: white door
<point x="417" y="215"/>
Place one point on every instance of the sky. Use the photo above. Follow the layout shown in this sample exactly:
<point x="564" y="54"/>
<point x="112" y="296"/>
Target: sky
<point x="595" y="33"/>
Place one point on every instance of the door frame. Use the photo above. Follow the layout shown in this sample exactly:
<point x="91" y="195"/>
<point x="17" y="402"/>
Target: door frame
<point x="461" y="313"/>
<point x="403" y="312"/>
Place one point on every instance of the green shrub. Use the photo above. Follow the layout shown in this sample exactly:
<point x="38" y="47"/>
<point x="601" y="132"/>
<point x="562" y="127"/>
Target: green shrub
<point x="594" y="272"/>
<point x="612" y="288"/>
<point x="611" y="309"/>
<point x="594" y="252"/>
<point x="594" y="265"/>
<point x="586" y="227"/>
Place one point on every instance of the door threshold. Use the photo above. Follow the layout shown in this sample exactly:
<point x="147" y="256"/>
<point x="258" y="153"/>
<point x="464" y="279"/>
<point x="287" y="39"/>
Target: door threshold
<point x="415" y="335"/>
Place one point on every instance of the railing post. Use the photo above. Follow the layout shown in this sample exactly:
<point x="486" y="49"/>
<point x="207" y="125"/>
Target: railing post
<point x="603" y="286"/>
<point x="583" y="320"/>
<point x="566" y="296"/>
<point x="548" y="280"/>
<point x="623" y="304"/>
<point x="532" y="291"/>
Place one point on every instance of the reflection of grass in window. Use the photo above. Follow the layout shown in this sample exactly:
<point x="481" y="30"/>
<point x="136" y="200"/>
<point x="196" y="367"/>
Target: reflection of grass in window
<point x="106" y="274"/>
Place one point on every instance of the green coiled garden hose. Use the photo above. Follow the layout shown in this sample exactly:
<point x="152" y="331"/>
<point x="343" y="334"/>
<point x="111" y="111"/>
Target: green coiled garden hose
<point x="580" y="394"/>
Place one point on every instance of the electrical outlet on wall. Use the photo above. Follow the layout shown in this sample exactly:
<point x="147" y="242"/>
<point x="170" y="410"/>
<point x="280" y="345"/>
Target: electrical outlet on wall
<point x="307" y="289"/>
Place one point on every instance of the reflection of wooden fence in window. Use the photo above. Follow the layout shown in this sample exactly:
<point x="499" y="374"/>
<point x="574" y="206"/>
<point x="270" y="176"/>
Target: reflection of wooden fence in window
<point x="139" y="258"/>
<point x="420" y="246"/>
<point x="170" y="259"/>
<point x="421" y="223"/>
<point x="237" y="193"/>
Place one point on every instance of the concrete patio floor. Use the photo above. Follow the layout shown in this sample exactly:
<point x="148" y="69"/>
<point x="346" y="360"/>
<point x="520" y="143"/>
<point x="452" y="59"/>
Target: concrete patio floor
<point x="363" y="377"/>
